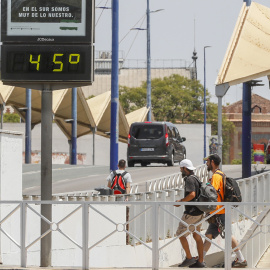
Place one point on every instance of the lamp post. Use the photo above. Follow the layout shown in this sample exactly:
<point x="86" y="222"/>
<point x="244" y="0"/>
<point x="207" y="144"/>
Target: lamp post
<point x="148" y="80"/>
<point x="204" y="102"/>
<point x="148" y="95"/>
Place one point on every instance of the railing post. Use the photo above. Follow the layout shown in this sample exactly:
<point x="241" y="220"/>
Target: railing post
<point x="155" y="251"/>
<point x="143" y="218"/>
<point x="23" y="232"/>
<point x="85" y="236"/>
<point x="228" y="236"/>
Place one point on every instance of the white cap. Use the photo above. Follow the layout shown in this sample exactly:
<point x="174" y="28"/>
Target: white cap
<point x="187" y="164"/>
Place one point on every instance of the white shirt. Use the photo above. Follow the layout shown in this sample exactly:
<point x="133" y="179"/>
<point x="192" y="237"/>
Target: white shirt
<point x="127" y="176"/>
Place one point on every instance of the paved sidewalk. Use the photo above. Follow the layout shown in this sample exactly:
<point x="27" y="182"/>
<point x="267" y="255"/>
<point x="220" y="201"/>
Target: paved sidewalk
<point x="265" y="260"/>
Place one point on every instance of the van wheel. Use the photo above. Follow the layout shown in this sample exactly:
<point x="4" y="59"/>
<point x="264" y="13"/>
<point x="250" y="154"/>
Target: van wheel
<point x="130" y="164"/>
<point x="171" y="162"/>
<point x="144" y="164"/>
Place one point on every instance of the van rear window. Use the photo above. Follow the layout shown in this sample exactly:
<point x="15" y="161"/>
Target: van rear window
<point x="145" y="132"/>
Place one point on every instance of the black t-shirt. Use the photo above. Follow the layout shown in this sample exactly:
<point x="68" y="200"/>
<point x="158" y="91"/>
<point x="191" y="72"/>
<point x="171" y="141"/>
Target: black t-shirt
<point x="191" y="184"/>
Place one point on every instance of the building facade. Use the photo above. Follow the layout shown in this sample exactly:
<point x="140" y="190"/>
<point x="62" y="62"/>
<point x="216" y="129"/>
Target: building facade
<point x="260" y="123"/>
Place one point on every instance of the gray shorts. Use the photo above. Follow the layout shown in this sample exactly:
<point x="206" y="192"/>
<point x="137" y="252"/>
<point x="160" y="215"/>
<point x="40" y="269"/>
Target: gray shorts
<point x="213" y="227"/>
<point x="190" y="220"/>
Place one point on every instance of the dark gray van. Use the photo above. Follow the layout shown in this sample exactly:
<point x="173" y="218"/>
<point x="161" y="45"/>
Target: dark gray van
<point x="155" y="142"/>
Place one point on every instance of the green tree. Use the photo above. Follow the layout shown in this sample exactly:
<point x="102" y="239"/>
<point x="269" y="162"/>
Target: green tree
<point x="11" y="118"/>
<point x="173" y="98"/>
<point x="176" y="98"/>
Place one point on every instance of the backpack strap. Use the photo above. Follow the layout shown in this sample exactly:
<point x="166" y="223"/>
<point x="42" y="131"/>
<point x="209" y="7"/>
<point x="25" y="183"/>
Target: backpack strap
<point x="114" y="174"/>
<point x="123" y="174"/>
<point x="224" y="183"/>
<point x="200" y="183"/>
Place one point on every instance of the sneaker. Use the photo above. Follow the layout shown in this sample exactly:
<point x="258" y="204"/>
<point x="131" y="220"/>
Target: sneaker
<point x="187" y="262"/>
<point x="198" y="264"/>
<point x="237" y="264"/>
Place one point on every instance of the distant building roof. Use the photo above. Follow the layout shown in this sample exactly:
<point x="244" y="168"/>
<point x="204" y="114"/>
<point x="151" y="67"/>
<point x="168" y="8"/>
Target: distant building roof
<point x="259" y="105"/>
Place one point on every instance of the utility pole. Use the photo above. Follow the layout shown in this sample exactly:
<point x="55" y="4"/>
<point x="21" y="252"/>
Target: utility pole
<point x="114" y="87"/>
<point x="149" y="105"/>
<point x="204" y="101"/>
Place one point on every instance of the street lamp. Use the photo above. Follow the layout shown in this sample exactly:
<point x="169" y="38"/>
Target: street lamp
<point x="148" y="81"/>
<point x="148" y="95"/>
<point x="204" y="101"/>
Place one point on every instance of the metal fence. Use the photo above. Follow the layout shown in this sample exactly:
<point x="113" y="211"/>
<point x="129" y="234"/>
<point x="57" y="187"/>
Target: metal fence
<point x="167" y="182"/>
<point x="152" y="219"/>
<point x="159" y="211"/>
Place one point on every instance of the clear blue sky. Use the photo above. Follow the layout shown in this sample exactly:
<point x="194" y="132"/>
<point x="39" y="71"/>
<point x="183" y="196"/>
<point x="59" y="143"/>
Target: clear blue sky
<point x="172" y="34"/>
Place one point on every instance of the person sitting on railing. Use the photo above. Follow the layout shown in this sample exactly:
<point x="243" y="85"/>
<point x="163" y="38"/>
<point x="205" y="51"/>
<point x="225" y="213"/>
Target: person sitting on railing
<point x="217" y="222"/>
<point x="192" y="215"/>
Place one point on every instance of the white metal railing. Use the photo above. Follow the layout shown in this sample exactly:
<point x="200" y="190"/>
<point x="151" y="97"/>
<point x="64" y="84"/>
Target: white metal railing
<point x="169" y="181"/>
<point x="255" y="192"/>
<point x="246" y="213"/>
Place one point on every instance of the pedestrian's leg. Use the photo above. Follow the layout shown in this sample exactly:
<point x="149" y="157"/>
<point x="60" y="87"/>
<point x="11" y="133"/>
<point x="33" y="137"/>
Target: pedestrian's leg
<point x="199" y="243"/>
<point x="237" y="251"/>
<point x="185" y="246"/>
<point x="234" y="243"/>
<point x="207" y="244"/>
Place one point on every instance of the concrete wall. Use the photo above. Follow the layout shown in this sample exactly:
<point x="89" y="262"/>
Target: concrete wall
<point x="10" y="165"/>
<point x="192" y="132"/>
<point x="130" y="78"/>
<point x="10" y="180"/>
<point x="195" y="143"/>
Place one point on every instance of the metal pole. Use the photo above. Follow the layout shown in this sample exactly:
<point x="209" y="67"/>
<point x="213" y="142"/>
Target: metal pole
<point x="85" y="236"/>
<point x="246" y="126"/>
<point x="94" y="133"/>
<point x="28" y="120"/>
<point x="70" y="151"/>
<point x="204" y="102"/>
<point x="204" y="107"/>
<point x="2" y="114"/>
<point x="114" y="87"/>
<point x="221" y="90"/>
<point x="228" y="237"/>
<point x="74" y="127"/>
<point x="46" y="174"/>
<point x="23" y="235"/>
<point x="155" y="234"/>
<point x="246" y="131"/>
<point x="149" y="105"/>
<point x="220" y="129"/>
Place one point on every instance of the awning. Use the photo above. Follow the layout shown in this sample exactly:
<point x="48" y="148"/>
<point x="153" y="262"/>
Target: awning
<point x="100" y="107"/>
<point x="62" y="101"/>
<point x="248" y="54"/>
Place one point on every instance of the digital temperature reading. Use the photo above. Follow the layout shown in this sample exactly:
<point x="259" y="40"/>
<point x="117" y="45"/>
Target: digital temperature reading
<point x="47" y="43"/>
<point x="45" y="62"/>
<point x="53" y="62"/>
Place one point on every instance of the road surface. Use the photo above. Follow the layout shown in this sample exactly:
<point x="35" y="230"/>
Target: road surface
<point x="70" y="178"/>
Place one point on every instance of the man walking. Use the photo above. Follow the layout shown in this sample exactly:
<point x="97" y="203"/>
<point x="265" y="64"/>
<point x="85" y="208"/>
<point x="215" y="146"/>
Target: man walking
<point x="212" y="232"/>
<point x="192" y="215"/>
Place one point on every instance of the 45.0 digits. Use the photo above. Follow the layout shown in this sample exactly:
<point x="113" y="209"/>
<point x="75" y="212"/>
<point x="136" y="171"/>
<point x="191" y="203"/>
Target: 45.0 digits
<point x="57" y="63"/>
